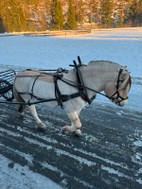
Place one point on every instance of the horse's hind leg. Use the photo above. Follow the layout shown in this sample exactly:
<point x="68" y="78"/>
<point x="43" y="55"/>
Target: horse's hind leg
<point x="75" y="124"/>
<point x="21" y="109"/>
<point x="33" y="111"/>
<point x="19" y="99"/>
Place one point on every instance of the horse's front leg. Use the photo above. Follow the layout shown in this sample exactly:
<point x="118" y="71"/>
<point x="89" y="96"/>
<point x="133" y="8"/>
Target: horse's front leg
<point x="75" y="124"/>
<point x="33" y="111"/>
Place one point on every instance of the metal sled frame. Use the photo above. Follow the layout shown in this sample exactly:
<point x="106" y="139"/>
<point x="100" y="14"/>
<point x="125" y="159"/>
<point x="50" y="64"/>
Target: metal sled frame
<point x="6" y="84"/>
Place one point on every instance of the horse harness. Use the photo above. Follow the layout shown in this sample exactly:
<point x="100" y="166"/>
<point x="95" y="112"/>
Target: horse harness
<point x="59" y="97"/>
<point x="82" y="89"/>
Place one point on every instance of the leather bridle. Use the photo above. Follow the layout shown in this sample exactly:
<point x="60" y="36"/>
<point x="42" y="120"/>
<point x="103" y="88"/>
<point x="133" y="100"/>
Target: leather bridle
<point x="118" y="97"/>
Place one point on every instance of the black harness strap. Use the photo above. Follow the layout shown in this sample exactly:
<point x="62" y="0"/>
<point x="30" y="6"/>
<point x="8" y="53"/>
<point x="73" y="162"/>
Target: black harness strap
<point x="60" y="97"/>
<point x="57" y="90"/>
<point x="80" y="82"/>
<point x="34" y="83"/>
<point x="81" y="86"/>
<point x="117" y="87"/>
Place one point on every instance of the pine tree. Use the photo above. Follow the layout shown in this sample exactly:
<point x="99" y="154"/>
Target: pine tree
<point x="80" y="11"/>
<point x="119" y="21"/>
<point x="93" y="10"/>
<point x="57" y="15"/>
<point x="106" y="12"/>
<point x="71" y="21"/>
<point x="126" y="10"/>
<point x="136" y="13"/>
<point x="48" y="13"/>
<point x="2" y="29"/>
<point x="139" y="13"/>
<point x="12" y="16"/>
<point x="33" y="15"/>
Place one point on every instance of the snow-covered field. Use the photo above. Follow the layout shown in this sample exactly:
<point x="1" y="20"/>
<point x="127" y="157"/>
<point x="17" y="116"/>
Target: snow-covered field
<point x="123" y="46"/>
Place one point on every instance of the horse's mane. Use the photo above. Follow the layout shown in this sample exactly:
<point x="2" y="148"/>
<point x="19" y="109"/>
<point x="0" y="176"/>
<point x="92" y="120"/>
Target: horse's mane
<point x="102" y="64"/>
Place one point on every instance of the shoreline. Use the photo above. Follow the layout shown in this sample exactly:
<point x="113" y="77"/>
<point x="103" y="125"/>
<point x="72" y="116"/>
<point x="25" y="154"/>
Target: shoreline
<point x="67" y="32"/>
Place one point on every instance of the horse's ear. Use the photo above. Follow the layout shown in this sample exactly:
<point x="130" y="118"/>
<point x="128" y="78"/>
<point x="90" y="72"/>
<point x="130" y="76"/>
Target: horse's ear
<point x="124" y="67"/>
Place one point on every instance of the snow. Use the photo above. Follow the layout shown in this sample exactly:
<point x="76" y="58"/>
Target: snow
<point x="138" y="143"/>
<point x="53" y="52"/>
<point x="5" y="34"/>
<point x="14" y="176"/>
<point x="123" y="46"/>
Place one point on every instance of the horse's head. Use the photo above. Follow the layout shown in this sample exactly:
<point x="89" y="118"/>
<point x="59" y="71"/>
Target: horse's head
<point x="117" y="90"/>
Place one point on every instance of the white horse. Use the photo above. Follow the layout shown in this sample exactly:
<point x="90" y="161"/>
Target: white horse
<point x="97" y="76"/>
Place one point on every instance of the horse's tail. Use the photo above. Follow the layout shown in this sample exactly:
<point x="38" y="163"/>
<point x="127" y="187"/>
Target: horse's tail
<point x="19" y="99"/>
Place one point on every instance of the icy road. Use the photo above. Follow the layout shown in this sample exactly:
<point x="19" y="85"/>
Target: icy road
<point x="108" y="155"/>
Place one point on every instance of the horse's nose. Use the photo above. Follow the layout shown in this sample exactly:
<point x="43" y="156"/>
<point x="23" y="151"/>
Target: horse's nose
<point x="119" y="104"/>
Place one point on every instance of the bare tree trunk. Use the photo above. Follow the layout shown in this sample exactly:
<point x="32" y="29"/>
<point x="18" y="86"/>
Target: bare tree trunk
<point x="122" y="12"/>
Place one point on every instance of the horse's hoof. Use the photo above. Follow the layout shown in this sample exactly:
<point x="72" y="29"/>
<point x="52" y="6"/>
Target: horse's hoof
<point x="41" y="129"/>
<point x="22" y="114"/>
<point x="65" y="130"/>
<point x="78" y="133"/>
<point x="41" y="126"/>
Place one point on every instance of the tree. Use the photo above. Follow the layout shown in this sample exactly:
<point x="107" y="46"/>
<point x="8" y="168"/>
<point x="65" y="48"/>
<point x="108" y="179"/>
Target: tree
<point x="92" y="5"/>
<point x="106" y="12"/>
<point x="71" y="21"/>
<point x="126" y="10"/>
<point x="136" y="13"/>
<point x="2" y="29"/>
<point x="57" y="15"/>
<point x="12" y="16"/>
<point x="139" y="13"/>
<point x="80" y="11"/>
<point x="123" y="10"/>
<point x="48" y="13"/>
<point x="35" y="15"/>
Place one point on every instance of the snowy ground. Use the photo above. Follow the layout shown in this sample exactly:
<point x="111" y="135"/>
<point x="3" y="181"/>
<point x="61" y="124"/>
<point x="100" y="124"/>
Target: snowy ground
<point x="14" y="176"/>
<point x="123" y="46"/>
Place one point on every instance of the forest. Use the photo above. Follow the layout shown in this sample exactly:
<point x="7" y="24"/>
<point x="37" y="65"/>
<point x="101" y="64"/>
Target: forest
<point x="41" y="15"/>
